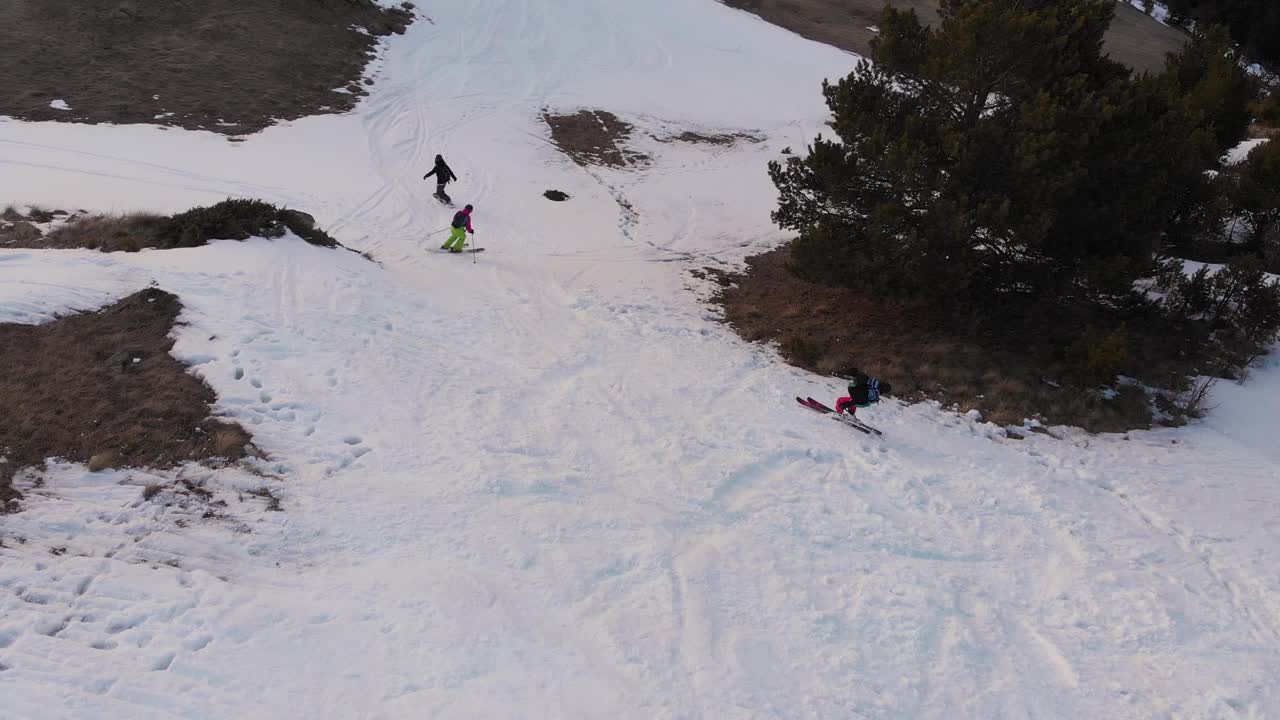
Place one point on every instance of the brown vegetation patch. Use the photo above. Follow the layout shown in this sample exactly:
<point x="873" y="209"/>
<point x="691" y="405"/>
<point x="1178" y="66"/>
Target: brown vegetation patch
<point x="226" y="66"/>
<point x="19" y="233"/>
<point x="1259" y="131"/>
<point x="831" y="330"/>
<point x="1134" y="39"/>
<point x="101" y="388"/>
<point x="227" y="220"/>
<point x="699" y="138"/>
<point x="19" y="229"/>
<point x="35" y="215"/>
<point x="593" y="137"/>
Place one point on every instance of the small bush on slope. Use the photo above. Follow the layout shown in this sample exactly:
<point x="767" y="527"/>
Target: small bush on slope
<point x="232" y="219"/>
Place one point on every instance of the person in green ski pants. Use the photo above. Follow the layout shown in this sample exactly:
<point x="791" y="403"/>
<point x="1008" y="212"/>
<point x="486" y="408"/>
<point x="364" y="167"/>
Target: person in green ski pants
<point x="461" y="226"/>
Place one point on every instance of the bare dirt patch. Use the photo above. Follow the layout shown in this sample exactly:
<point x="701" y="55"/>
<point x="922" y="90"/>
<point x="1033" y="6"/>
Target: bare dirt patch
<point x="723" y="139"/>
<point x="600" y="138"/>
<point x="594" y="137"/>
<point x="102" y="388"/>
<point x="1134" y="38"/>
<point x="228" y="66"/>
<point x="832" y="330"/>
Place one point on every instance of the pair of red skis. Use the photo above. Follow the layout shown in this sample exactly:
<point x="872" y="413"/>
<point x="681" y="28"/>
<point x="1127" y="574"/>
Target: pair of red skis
<point x="852" y="422"/>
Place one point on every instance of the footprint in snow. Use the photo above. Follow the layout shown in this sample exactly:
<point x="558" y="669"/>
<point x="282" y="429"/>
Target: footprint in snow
<point x="197" y="643"/>
<point x="163" y="662"/>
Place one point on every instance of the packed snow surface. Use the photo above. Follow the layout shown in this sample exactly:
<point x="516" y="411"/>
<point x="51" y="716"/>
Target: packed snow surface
<point x="543" y="481"/>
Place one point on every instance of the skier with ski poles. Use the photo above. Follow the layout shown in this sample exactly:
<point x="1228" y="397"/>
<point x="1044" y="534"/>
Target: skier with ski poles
<point x="461" y="226"/>
<point x="443" y="174"/>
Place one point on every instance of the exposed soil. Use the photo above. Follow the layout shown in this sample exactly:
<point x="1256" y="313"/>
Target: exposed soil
<point x="101" y="388"/>
<point x="594" y="137"/>
<point x="229" y="66"/>
<point x="1134" y="38"/>
<point x="598" y="137"/>
<point x="833" y="330"/>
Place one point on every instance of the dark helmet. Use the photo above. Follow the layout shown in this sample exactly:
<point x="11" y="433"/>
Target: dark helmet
<point x="467" y="208"/>
<point x="439" y="158"/>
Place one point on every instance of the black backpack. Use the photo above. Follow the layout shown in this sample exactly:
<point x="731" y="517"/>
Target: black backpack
<point x="459" y="219"/>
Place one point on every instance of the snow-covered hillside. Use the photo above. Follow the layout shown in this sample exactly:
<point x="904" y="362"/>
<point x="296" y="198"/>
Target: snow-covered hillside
<point x="544" y="482"/>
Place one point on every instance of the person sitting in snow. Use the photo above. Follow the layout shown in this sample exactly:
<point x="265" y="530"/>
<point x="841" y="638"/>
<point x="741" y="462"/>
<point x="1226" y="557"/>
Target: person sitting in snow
<point x="864" y="391"/>
<point x="461" y="226"/>
<point x="443" y="175"/>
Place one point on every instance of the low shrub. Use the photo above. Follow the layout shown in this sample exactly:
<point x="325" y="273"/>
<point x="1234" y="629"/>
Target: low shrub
<point x="240" y="219"/>
<point x="1100" y="357"/>
<point x="228" y="220"/>
<point x="231" y="219"/>
<point x="1232" y="315"/>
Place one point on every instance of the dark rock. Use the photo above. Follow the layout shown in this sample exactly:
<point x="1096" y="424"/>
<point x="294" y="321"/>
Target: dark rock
<point x="298" y="218"/>
<point x="555" y="195"/>
<point x="125" y="361"/>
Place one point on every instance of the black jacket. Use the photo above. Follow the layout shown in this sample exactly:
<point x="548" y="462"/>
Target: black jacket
<point x="442" y="172"/>
<point x="864" y="390"/>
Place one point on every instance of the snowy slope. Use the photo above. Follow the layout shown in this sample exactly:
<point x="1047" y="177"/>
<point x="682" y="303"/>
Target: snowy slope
<point x="548" y="483"/>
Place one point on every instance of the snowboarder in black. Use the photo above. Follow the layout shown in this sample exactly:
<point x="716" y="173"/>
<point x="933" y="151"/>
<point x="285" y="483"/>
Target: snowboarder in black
<point x="864" y="391"/>
<point x="443" y="175"/>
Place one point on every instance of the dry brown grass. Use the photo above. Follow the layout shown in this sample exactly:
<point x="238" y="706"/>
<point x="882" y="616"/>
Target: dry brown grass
<point x="593" y="137"/>
<point x="700" y="138"/>
<point x="109" y="233"/>
<point x="227" y="66"/>
<point x="1258" y="131"/>
<point x="19" y="234"/>
<point x="102" y="388"/>
<point x="18" y="229"/>
<point x="829" y="330"/>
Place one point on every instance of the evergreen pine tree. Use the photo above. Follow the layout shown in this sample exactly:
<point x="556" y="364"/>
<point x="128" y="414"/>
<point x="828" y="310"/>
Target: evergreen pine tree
<point x="999" y="154"/>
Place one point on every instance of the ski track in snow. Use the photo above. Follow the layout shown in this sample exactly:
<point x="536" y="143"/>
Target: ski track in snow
<point x="544" y="481"/>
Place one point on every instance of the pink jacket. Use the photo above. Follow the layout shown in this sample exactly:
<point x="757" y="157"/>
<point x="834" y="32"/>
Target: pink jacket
<point x="466" y="214"/>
